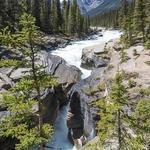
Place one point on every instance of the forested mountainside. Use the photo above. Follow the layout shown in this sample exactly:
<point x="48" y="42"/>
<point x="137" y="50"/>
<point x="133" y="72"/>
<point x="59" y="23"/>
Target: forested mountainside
<point x="94" y="7"/>
<point x="51" y="15"/>
<point x="122" y="111"/>
<point x="133" y="18"/>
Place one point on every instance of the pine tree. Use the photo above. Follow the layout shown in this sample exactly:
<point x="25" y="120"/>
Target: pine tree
<point x="19" y="100"/>
<point x="85" y="25"/>
<point x="45" y="17"/>
<point x="54" y="17"/>
<point x="50" y="17"/>
<point x="36" y="11"/>
<point x="126" y="23"/>
<point x="140" y="18"/>
<point x="147" y="32"/>
<point x="114" y="121"/>
<point x="78" y="22"/>
<point x="109" y="19"/>
<point x="59" y="14"/>
<point x="28" y="4"/>
<point x="13" y="13"/>
<point x="65" y="16"/>
<point x="141" y="117"/>
<point x="2" y="12"/>
<point x="71" y="20"/>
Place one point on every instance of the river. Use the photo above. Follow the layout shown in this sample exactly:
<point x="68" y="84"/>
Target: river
<point x="72" y="54"/>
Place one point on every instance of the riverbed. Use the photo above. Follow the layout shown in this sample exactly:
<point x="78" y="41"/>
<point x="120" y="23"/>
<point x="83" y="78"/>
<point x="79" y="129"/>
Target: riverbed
<point x="72" y="55"/>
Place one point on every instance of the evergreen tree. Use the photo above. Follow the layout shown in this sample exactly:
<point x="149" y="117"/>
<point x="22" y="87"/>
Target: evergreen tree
<point x="85" y="25"/>
<point x="71" y="20"/>
<point x="36" y="11"/>
<point x="2" y="12"/>
<point x="59" y="14"/>
<point x="19" y="100"/>
<point x="141" y="116"/>
<point x="65" y="15"/>
<point x="114" y="121"/>
<point x="54" y="17"/>
<point x="140" y="18"/>
<point x="50" y="16"/>
<point x="72" y="17"/>
<point x="13" y="13"/>
<point x="147" y="32"/>
<point x="108" y="19"/>
<point x="78" y="22"/>
<point x="28" y="4"/>
<point x="126" y="23"/>
<point x="45" y="17"/>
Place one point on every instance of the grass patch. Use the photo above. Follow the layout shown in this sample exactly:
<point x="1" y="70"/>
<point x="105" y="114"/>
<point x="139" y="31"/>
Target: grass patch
<point x="131" y="83"/>
<point x="110" y="67"/>
<point x="101" y="87"/>
<point x="89" y="91"/>
<point x="147" y="62"/>
<point x="145" y="92"/>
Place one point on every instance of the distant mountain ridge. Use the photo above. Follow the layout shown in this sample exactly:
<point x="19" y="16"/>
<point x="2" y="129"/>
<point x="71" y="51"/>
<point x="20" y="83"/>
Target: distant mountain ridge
<point x="94" y="7"/>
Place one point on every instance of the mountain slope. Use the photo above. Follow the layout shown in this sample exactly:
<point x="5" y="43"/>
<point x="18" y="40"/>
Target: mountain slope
<point x="93" y="7"/>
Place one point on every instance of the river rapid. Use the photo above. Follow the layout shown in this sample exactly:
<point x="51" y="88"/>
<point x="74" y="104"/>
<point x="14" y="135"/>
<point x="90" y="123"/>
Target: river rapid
<point x="72" y="55"/>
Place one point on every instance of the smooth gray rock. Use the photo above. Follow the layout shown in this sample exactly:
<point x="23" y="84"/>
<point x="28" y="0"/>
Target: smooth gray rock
<point x="9" y="54"/>
<point x="67" y="74"/>
<point x="19" y="73"/>
<point x="81" y="108"/>
<point x="95" y="56"/>
<point x="5" y="81"/>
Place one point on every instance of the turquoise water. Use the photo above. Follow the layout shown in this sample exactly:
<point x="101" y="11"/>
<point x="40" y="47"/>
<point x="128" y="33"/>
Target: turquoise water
<point x="72" y="54"/>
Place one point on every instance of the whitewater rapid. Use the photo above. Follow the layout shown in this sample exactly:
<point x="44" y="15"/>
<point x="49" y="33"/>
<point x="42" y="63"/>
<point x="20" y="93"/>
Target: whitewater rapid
<point x="72" y="55"/>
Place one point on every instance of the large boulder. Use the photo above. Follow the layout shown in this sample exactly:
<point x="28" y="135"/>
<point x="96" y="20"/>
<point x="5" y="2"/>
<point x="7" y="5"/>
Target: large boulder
<point x="67" y="74"/>
<point x="9" y="54"/>
<point x="82" y="116"/>
<point x="53" y="42"/>
<point x="17" y="74"/>
<point x="98" y="56"/>
<point x="5" y="81"/>
<point x="95" y="56"/>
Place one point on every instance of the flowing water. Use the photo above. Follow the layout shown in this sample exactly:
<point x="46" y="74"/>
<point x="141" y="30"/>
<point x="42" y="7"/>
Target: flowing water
<point x="72" y="54"/>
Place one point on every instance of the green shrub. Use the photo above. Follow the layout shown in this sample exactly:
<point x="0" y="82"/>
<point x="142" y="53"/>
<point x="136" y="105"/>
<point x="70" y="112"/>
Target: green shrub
<point x="98" y="78"/>
<point x="147" y="44"/>
<point x="123" y="56"/>
<point x="131" y="83"/>
<point x="147" y="62"/>
<point x="110" y="67"/>
<point x="101" y="87"/>
<point x="88" y="91"/>
<point x="9" y="62"/>
<point x="129" y="75"/>
<point x="145" y="92"/>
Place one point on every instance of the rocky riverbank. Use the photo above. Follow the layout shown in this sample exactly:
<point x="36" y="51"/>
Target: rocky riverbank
<point x="51" y="42"/>
<point x="53" y="99"/>
<point x="104" y="60"/>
